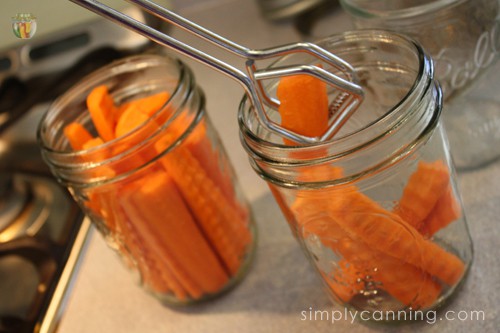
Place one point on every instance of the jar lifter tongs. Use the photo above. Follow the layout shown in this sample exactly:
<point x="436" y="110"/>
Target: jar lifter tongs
<point x="347" y="100"/>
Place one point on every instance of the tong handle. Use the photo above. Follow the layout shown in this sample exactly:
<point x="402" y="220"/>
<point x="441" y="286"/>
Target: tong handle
<point x="251" y="82"/>
<point x="160" y="37"/>
<point x="240" y="50"/>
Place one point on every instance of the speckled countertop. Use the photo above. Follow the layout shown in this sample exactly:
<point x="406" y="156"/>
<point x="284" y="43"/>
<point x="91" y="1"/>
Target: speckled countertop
<point x="281" y="284"/>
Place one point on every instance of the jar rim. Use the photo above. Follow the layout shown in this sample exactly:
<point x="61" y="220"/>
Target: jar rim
<point x="352" y="7"/>
<point x="425" y="71"/>
<point x="392" y="123"/>
<point x="71" y="163"/>
<point x="91" y="80"/>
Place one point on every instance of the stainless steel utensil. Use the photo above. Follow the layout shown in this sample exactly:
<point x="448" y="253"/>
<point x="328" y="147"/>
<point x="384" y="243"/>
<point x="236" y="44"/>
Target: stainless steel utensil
<point x="349" y="96"/>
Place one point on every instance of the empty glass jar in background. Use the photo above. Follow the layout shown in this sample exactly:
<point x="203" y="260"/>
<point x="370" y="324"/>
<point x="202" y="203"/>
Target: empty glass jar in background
<point x="376" y="209"/>
<point x="163" y="193"/>
<point x="463" y="37"/>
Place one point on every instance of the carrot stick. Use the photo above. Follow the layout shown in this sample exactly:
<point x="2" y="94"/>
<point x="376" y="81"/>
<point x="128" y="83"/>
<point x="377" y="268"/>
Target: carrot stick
<point x="216" y="168"/>
<point x="163" y="255"/>
<point x="171" y="228"/>
<point x="375" y="234"/>
<point x="381" y="230"/>
<point x="221" y="224"/>
<point x="132" y="122"/>
<point x="131" y="118"/>
<point x="102" y="111"/>
<point x="388" y="233"/>
<point x="446" y="210"/>
<point x="405" y="282"/>
<point x="154" y="274"/>
<point x="147" y="105"/>
<point x="303" y="105"/>
<point x="77" y="135"/>
<point x="425" y="186"/>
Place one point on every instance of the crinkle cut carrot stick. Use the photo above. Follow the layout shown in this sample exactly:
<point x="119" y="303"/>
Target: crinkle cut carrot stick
<point x="216" y="168"/>
<point x="303" y="105"/>
<point x="102" y="111"/>
<point x="388" y="233"/>
<point x="425" y="186"/>
<point x="221" y="224"/>
<point x="153" y="273"/>
<point x="446" y="210"/>
<point x="105" y="208"/>
<point x="163" y="219"/>
<point x="77" y="135"/>
<point x="405" y="282"/>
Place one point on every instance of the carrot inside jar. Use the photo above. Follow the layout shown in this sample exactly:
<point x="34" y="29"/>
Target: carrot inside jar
<point x="393" y="249"/>
<point x="181" y="223"/>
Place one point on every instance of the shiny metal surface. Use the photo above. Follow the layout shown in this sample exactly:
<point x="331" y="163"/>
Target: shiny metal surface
<point x="251" y="81"/>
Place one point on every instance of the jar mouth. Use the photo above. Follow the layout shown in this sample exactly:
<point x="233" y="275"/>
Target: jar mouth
<point x="126" y="79"/>
<point x="401" y="120"/>
<point x="384" y="123"/>
<point x="388" y="10"/>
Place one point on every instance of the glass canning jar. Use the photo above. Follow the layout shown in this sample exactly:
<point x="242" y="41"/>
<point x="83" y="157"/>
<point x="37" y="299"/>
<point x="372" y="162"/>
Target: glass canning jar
<point x="463" y="37"/>
<point x="376" y="209"/>
<point x="164" y="194"/>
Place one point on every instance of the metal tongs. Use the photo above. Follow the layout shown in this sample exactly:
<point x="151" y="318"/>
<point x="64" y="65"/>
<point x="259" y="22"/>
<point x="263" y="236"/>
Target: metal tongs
<point x="346" y="102"/>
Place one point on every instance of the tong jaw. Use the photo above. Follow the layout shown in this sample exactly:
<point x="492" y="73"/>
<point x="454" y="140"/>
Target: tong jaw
<point x="349" y="95"/>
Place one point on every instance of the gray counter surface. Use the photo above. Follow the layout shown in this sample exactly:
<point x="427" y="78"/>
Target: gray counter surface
<point x="281" y="289"/>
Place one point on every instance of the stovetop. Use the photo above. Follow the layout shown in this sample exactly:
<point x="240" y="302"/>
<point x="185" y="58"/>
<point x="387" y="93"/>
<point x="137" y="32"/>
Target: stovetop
<point x="39" y="228"/>
<point x="42" y="231"/>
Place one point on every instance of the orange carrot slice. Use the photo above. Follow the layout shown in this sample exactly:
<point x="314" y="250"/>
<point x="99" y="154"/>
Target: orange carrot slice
<point x="446" y="210"/>
<point x="147" y="105"/>
<point x="93" y="143"/>
<point x="303" y="105"/>
<point x="216" y="168"/>
<point x="102" y="111"/>
<point x="77" y="135"/>
<point x="171" y="230"/>
<point x="388" y="233"/>
<point x="154" y="272"/>
<point x="131" y="118"/>
<point x="405" y="282"/>
<point x="221" y="224"/>
<point x="425" y="186"/>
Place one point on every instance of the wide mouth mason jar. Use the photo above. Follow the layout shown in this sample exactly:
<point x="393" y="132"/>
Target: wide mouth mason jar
<point x="162" y="192"/>
<point x="463" y="37"/>
<point x="376" y="209"/>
